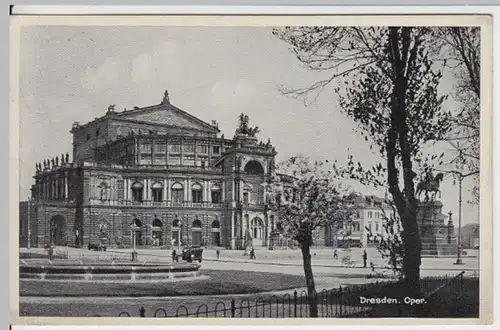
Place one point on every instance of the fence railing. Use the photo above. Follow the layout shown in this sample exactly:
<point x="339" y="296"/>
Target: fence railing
<point x="341" y="302"/>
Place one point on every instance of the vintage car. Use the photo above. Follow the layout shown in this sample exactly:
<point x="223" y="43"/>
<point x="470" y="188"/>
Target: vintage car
<point x="191" y="254"/>
<point x="97" y="247"/>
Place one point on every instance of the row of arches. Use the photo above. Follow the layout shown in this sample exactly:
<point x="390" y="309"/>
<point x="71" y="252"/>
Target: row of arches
<point x="176" y="192"/>
<point x="142" y="234"/>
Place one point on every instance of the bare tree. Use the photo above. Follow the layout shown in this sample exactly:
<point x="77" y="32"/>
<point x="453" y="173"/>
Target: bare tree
<point x="459" y="48"/>
<point x="311" y="199"/>
<point x="387" y="84"/>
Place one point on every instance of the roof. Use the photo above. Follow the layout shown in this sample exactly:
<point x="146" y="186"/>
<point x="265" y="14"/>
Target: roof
<point x="160" y="114"/>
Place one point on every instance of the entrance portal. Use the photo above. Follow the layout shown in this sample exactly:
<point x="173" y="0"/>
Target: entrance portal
<point x="196" y="233"/>
<point x="215" y="233"/>
<point x="57" y="228"/>
<point x="257" y="231"/>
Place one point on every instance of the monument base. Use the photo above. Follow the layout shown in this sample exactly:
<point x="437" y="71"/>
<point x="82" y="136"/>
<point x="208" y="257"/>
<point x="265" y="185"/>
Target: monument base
<point x="438" y="237"/>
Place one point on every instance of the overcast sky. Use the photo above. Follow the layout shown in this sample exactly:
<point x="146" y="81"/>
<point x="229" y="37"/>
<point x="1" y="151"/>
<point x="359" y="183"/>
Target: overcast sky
<point x="74" y="73"/>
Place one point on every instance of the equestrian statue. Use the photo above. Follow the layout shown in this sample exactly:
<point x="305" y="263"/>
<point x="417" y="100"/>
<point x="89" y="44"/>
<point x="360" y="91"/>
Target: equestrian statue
<point x="430" y="184"/>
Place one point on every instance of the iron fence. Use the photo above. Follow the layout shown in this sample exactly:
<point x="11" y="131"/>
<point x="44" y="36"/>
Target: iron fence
<point x="341" y="302"/>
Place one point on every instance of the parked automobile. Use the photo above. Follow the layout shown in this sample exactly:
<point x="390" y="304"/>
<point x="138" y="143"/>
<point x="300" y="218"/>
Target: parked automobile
<point x="191" y="254"/>
<point x="97" y="247"/>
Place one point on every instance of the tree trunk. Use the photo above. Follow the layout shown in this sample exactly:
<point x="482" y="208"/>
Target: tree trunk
<point x="412" y="255"/>
<point x="406" y="203"/>
<point x="311" y="289"/>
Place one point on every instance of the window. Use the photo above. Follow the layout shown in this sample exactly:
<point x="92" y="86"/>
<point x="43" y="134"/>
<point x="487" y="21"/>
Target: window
<point x="376" y="227"/>
<point x="177" y="193"/>
<point x="370" y="226"/>
<point x="88" y="137"/>
<point x="161" y="148"/>
<point x="175" y="148"/>
<point x="197" y="193"/>
<point x="137" y="189"/>
<point x="146" y="147"/>
<point x="189" y="148"/>
<point x="377" y="215"/>
<point x="216" y="150"/>
<point x="174" y="160"/>
<point x="245" y="198"/>
<point x="370" y="214"/>
<point x="203" y="149"/>
<point x="157" y="192"/>
<point x="97" y="133"/>
<point x="188" y="161"/>
<point x="216" y="195"/>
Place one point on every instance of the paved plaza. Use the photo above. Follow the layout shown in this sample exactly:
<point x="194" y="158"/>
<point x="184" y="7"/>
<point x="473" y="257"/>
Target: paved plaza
<point x="329" y="273"/>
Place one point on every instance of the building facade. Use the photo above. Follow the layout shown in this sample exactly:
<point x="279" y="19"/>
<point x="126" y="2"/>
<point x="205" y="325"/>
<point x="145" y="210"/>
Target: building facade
<point x="157" y="177"/>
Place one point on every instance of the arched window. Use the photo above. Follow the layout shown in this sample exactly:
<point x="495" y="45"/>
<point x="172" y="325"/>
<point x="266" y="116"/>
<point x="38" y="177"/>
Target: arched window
<point x="176" y="224"/>
<point x="196" y="224"/>
<point x="177" y="192"/>
<point x="197" y="193"/>
<point x="137" y="189"/>
<point x="247" y="189"/>
<point x="215" y="233"/>
<point x="253" y="167"/>
<point x="137" y="223"/>
<point x="157" y="192"/>
<point x="257" y="228"/>
<point x="157" y="223"/>
<point x="216" y="194"/>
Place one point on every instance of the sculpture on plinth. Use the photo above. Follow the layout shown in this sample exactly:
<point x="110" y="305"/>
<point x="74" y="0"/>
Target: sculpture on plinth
<point x="166" y="98"/>
<point x="244" y="127"/>
<point x="430" y="184"/>
<point x="67" y="158"/>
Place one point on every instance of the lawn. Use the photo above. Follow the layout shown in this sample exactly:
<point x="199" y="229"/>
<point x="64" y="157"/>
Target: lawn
<point x="220" y="282"/>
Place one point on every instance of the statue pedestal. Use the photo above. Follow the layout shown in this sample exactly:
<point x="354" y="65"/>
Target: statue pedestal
<point x="245" y="140"/>
<point x="437" y="235"/>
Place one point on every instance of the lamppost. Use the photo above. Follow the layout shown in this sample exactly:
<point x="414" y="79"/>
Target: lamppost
<point x="29" y="223"/>
<point x="460" y="176"/>
<point x="113" y="228"/>
<point x="459" y="239"/>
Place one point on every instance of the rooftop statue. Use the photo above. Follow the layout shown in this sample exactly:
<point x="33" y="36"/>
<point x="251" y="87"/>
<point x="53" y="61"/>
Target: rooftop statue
<point x="111" y="108"/>
<point x="166" y="98"/>
<point x="244" y="127"/>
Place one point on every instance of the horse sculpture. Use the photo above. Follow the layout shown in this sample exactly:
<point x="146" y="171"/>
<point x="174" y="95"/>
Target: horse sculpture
<point x="430" y="184"/>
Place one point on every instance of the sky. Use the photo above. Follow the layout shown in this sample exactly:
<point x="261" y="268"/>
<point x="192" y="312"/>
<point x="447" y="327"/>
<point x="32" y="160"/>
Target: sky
<point x="72" y="74"/>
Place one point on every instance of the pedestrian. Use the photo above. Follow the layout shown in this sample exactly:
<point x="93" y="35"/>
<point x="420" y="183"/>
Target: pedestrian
<point x="252" y="254"/>
<point x="174" y="255"/>
<point x="365" y="256"/>
<point x="335" y="255"/>
<point x="218" y="254"/>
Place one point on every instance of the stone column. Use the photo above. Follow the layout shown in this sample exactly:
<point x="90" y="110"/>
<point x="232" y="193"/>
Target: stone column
<point x="186" y="188"/>
<point x="167" y="146"/>
<point x="209" y="191"/>
<point x="181" y="145"/>
<point x="195" y="152"/>
<point x="138" y="151"/>
<point x="165" y="189"/>
<point x="233" y="243"/>
<point x="153" y="147"/>
<point x="66" y="186"/>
